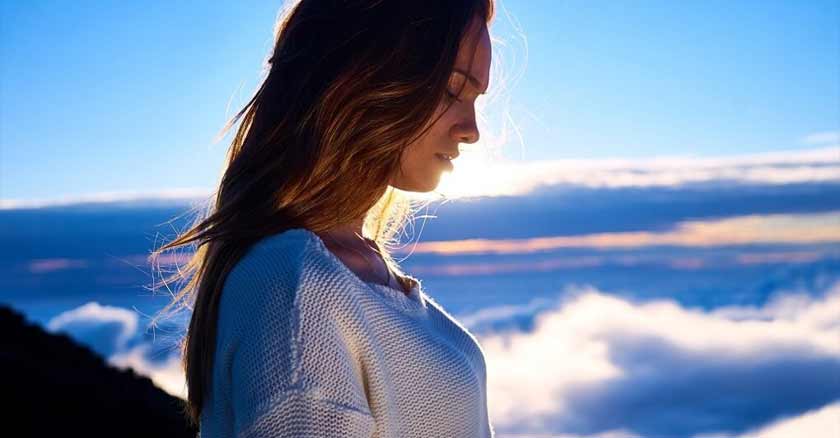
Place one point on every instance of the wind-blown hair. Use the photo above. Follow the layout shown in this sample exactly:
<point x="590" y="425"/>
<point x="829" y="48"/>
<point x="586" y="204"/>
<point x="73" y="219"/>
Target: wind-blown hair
<point x="350" y="84"/>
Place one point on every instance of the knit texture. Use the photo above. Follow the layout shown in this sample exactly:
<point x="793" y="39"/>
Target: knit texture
<point x="305" y="348"/>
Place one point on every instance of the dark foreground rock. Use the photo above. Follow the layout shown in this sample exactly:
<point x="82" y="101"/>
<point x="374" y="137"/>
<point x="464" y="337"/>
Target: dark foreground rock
<point x="53" y="386"/>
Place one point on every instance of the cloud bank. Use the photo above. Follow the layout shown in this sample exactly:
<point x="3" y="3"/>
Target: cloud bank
<point x="476" y="176"/>
<point x="595" y="364"/>
<point x="750" y="229"/>
<point x="115" y="333"/>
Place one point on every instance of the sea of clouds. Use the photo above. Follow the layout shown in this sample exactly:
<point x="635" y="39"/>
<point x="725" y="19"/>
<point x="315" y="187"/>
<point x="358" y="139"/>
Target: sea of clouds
<point x="594" y="364"/>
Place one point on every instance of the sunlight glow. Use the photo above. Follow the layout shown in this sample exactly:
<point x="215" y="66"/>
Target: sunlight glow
<point x="480" y="173"/>
<point x="477" y="174"/>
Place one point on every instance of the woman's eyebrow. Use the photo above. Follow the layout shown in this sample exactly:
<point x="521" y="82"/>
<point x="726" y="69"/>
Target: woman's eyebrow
<point x="472" y="79"/>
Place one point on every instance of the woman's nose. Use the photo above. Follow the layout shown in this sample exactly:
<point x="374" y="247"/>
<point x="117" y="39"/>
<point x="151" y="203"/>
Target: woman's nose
<point x="466" y="131"/>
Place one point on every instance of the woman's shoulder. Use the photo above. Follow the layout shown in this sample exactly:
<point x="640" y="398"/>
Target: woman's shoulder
<point x="283" y="277"/>
<point x="288" y="242"/>
<point x="271" y="258"/>
<point x="286" y="264"/>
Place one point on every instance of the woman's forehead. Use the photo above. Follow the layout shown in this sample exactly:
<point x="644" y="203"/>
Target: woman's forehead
<point x="474" y="56"/>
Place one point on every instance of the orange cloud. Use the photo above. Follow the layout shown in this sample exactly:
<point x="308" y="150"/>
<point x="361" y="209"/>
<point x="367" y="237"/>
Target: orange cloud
<point x="42" y="266"/>
<point x="742" y="230"/>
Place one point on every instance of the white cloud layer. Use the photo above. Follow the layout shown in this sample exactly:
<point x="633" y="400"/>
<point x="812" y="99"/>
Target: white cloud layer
<point x="822" y="422"/>
<point x="180" y="195"/>
<point x="597" y="363"/>
<point x="594" y="364"/>
<point x="167" y="375"/>
<point x="115" y="333"/>
<point x="106" y="329"/>
<point x="822" y="138"/>
<point x="800" y="229"/>
<point x="476" y="175"/>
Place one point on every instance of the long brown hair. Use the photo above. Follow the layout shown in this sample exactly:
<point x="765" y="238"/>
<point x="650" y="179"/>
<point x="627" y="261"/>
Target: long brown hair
<point x="350" y="84"/>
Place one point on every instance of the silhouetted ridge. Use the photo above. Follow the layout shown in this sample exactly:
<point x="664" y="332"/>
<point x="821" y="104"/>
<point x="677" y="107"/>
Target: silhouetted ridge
<point x="53" y="386"/>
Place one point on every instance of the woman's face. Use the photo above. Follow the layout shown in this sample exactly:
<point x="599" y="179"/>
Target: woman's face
<point x="424" y="160"/>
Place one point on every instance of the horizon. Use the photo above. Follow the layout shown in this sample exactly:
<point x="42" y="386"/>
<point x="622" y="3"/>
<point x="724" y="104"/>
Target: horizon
<point x="510" y="178"/>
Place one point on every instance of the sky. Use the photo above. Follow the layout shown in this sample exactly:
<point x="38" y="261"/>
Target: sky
<point x="124" y="97"/>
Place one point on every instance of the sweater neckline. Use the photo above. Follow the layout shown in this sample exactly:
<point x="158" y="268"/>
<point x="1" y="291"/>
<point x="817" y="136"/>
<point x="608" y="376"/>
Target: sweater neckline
<point x="413" y="302"/>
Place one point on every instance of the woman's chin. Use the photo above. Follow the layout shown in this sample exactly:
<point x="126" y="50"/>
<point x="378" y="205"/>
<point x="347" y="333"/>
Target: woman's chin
<point x="425" y="186"/>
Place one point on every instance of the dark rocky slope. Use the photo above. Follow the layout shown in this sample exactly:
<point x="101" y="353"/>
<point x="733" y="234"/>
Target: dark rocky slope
<point x="53" y="386"/>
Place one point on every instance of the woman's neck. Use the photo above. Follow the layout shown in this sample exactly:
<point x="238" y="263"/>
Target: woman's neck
<point x="348" y="233"/>
<point x="348" y="243"/>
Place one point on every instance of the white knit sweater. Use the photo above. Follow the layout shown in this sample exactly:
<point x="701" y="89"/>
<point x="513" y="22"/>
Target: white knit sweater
<point x="305" y="348"/>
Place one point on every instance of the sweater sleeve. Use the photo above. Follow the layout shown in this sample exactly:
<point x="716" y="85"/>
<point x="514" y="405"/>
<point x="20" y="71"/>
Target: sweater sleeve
<point x="306" y="415"/>
<point x="293" y="371"/>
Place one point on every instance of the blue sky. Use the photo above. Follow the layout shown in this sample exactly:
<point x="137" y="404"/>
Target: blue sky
<point x="118" y="96"/>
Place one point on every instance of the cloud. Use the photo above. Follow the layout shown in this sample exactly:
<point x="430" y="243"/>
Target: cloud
<point x="616" y="433"/>
<point x="476" y="176"/>
<point x="166" y="374"/>
<point x="822" y="138"/>
<point x="750" y="229"/>
<point x="592" y="364"/>
<point x="114" y="333"/>
<point x="42" y="266"/>
<point x="822" y="422"/>
<point x="505" y="317"/>
<point x="595" y="363"/>
<point x="106" y="329"/>
<point x="174" y="195"/>
<point x="667" y="260"/>
<point x="163" y="260"/>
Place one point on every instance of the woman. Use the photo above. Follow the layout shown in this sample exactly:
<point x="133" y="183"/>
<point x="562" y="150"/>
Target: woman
<point x="302" y="323"/>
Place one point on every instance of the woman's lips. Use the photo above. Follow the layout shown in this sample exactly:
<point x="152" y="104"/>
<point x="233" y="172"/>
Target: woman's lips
<point x="446" y="159"/>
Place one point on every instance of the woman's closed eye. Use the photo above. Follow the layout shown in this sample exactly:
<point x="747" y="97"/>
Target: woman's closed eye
<point x="453" y="96"/>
